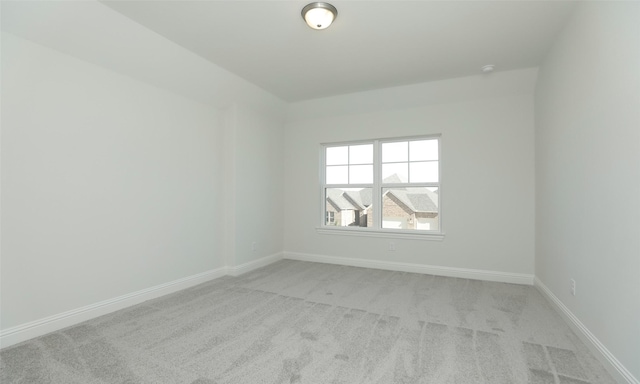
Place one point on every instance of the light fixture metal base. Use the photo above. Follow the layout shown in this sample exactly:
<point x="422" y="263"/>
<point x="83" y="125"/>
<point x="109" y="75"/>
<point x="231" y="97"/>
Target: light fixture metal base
<point x="314" y="16"/>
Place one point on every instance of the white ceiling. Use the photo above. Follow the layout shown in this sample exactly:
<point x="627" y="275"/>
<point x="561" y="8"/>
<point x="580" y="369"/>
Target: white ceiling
<point x="372" y="44"/>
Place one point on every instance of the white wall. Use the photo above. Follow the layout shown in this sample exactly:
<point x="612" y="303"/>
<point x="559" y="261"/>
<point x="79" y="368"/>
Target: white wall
<point x="254" y="184"/>
<point x="116" y="161"/>
<point x="588" y="173"/>
<point x="487" y="169"/>
<point x="109" y="185"/>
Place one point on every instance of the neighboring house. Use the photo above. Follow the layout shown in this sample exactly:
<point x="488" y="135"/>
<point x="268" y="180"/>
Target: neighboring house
<point x="403" y="208"/>
<point x="348" y="208"/>
<point x="413" y="208"/>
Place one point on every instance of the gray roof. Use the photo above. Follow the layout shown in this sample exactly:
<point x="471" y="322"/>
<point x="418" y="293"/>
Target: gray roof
<point x="393" y="179"/>
<point x="356" y="200"/>
<point x="337" y="198"/>
<point x="363" y="198"/>
<point x="417" y="199"/>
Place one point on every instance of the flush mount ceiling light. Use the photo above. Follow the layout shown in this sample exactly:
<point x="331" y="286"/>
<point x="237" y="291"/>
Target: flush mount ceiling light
<point x="488" y="68"/>
<point x="319" y="15"/>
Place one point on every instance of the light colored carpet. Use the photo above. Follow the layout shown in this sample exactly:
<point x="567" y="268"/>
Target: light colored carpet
<point x="299" y="322"/>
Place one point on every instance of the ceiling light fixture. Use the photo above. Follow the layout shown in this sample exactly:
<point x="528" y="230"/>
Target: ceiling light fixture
<point x="488" y="68"/>
<point x="319" y="15"/>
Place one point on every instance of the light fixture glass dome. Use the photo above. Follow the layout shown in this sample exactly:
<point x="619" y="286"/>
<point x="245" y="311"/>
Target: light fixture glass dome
<point x="319" y="15"/>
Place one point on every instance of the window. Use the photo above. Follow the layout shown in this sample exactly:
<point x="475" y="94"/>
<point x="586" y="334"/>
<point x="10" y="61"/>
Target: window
<point x="331" y="217"/>
<point x="390" y="185"/>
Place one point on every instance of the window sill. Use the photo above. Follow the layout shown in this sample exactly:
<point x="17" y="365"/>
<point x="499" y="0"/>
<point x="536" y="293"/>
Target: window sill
<point x="394" y="234"/>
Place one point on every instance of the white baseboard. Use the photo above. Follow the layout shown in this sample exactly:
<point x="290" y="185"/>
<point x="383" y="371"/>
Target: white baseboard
<point x="54" y="323"/>
<point x="255" y="264"/>
<point x="62" y="320"/>
<point x="476" y="274"/>
<point x="615" y="368"/>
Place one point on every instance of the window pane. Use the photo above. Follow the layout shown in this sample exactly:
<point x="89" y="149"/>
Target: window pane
<point x="410" y="208"/>
<point x="423" y="172"/>
<point x="337" y="155"/>
<point x="361" y="174"/>
<point x="361" y="154"/>
<point x="395" y="173"/>
<point x="392" y="152"/>
<point x="338" y="175"/>
<point x="421" y="150"/>
<point x="348" y="207"/>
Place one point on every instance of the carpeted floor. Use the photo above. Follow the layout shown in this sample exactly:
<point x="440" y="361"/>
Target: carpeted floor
<point x="299" y="322"/>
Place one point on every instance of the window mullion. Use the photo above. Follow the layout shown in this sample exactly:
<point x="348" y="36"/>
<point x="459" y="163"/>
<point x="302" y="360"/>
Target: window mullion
<point x="348" y="164"/>
<point x="377" y="184"/>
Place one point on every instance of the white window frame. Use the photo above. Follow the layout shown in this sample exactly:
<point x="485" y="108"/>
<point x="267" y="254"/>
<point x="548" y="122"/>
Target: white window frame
<point x="377" y="186"/>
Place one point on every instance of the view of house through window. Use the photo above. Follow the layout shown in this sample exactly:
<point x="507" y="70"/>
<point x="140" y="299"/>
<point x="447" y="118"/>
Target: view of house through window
<point x="383" y="184"/>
